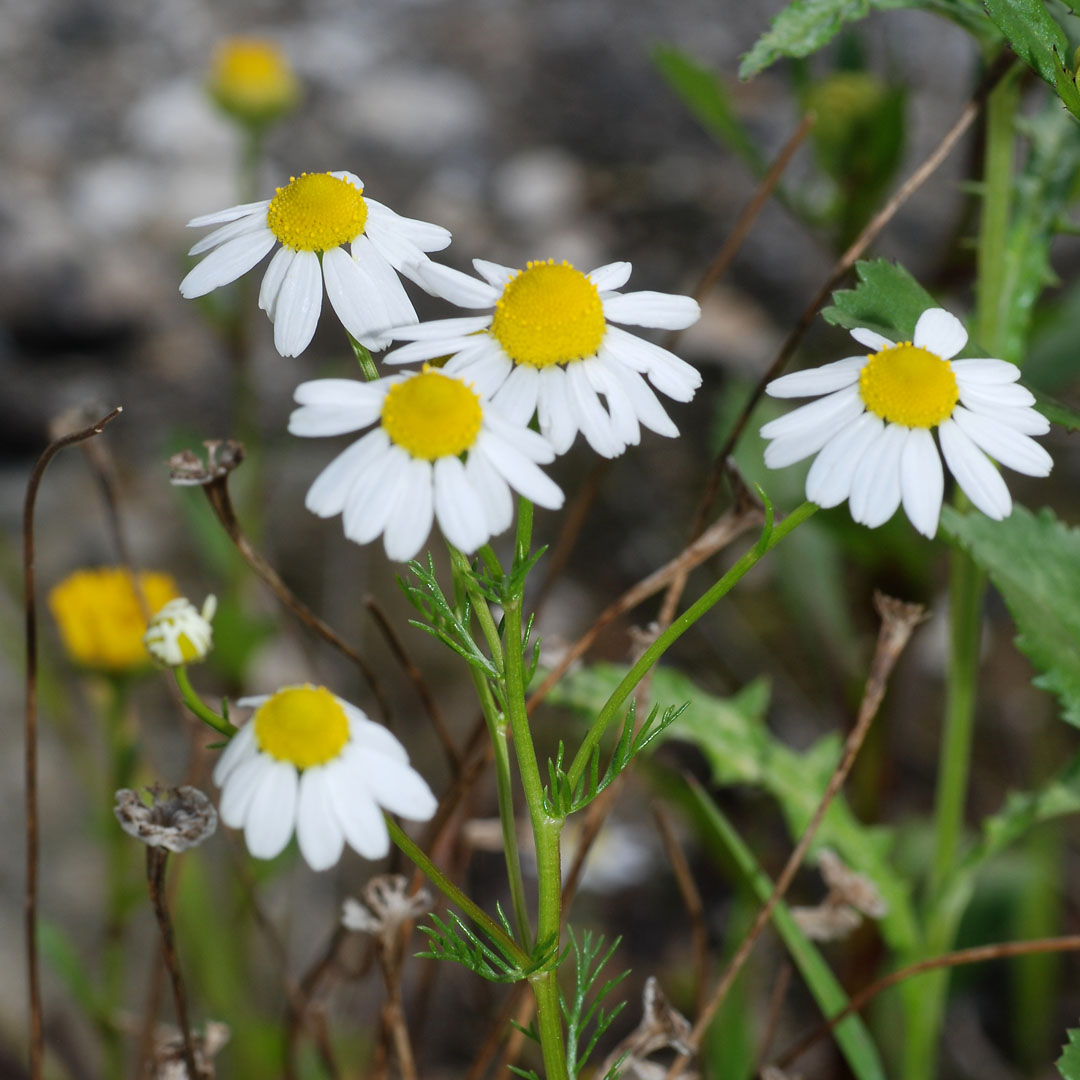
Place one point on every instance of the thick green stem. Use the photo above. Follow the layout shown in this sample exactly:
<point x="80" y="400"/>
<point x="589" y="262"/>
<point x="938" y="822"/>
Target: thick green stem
<point x="195" y="703"/>
<point x="612" y="707"/>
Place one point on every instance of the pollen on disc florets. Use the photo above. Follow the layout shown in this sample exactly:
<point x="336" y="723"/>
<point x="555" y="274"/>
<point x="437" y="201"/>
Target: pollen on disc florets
<point x="549" y="313"/>
<point x="432" y="415"/>
<point x="317" y="212"/>
<point x="904" y="384"/>
<point x="304" y="725"/>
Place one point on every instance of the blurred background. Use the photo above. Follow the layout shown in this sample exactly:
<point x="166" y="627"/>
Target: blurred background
<point x="531" y="130"/>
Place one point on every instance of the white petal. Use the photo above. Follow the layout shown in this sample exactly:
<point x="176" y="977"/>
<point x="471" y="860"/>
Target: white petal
<point x="227" y="263"/>
<point x="829" y="480"/>
<point x="458" y="508"/>
<point x="318" y="831"/>
<point x="299" y="304"/>
<point x="357" y="405"/>
<point x="984" y="371"/>
<point x="426" y="350"/>
<point x="516" y="398"/>
<point x="493" y="273"/>
<point x="830" y="411"/>
<point x="875" y="487"/>
<point x="326" y="496"/>
<point x="871" y="339"/>
<point x="987" y="396"/>
<point x="611" y="276"/>
<point x="398" y="306"/>
<point x="423" y="234"/>
<point x="240" y="746"/>
<point x="941" y="332"/>
<point x="645" y="403"/>
<point x="439" y="329"/>
<point x="272" y="279"/>
<point x="340" y="393"/>
<point x="624" y="421"/>
<point x="481" y="364"/>
<point x="251" y="224"/>
<point x="1029" y="421"/>
<point x="253" y="701"/>
<point x="372" y="498"/>
<point x="398" y="788"/>
<point x="231" y="214"/>
<point x="819" y="380"/>
<point x="453" y="285"/>
<point x="557" y="421"/>
<point x="592" y="421"/>
<point x="663" y="311"/>
<point x="667" y="372"/>
<point x="351" y="177"/>
<point x="1004" y="444"/>
<point x="410" y="522"/>
<point x="366" y="733"/>
<point x="272" y="813"/>
<point x="526" y="441"/>
<point x="922" y="482"/>
<point x="523" y="475"/>
<point x="360" y="819"/>
<point x="493" y="492"/>
<point x="354" y="296"/>
<point x="240" y="787"/>
<point x="981" y="482"/>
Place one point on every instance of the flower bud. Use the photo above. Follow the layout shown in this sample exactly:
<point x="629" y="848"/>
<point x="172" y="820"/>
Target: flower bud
<point x="251" y="80"/>
<point x="180" y="634"/>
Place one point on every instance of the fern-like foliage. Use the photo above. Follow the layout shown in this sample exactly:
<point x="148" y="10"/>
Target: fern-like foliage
<point x="587" y="1020"/>
<point x="563" y="798"/>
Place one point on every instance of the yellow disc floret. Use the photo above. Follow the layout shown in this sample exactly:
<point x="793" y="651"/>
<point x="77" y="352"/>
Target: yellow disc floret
<point x="251" y="79"/>
<point x="305" y="725"/>
<point x="316" y="212"/>
<point x="906" y="385"/>
<point x="549" y="314"/>
<point x="101" y="619"/>
<point x="432" y="415"/>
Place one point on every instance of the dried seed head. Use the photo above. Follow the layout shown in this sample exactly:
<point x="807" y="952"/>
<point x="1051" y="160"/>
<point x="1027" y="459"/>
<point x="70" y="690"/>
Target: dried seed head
<point x="167" y="1058"/>
<point x="662" y="1027"/>
<point x="182" y="820"/>
<point x="186" y="468"/>
<point x="827" y="921"/>
<point x="388" y="905"/>
<point x="848" y="887"/>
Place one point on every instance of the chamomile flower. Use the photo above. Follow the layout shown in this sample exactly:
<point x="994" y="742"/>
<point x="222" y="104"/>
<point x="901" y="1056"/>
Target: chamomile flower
<point x="548" y="346"/>
<point x="180" y="633"/>
<point x="439" y="451"/>
<point x="313" y="219"/>
<point x="310" y="762"/>
<point x="873" y="426"/>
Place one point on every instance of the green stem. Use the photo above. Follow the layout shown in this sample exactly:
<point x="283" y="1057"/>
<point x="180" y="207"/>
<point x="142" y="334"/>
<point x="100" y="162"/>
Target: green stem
<point x="464" y="577"/>
<point x="367" y="364"/>
<point x="523" y="538"/>
<point x="192" y="700"/>
<point x="611" y="708"/>
<point x="482" y="919"/>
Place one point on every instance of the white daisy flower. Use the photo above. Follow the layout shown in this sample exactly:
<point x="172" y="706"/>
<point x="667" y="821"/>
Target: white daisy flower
<point x="180" y="633"/>
<point x="439" y="451"/>
<point x="309" y="761"/>
<point x="872" y="426"/>
<point x="547" y="346"/>
<point x="313" y="218"/>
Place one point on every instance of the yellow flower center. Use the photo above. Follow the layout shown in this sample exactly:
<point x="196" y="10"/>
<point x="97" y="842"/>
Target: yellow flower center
<point x="549" y="314"/>
<point x="906" y="385"/>
<point x="305" y="725"/>
<point x="100" y="618"/>
<point x="432" y="415"/>
<point x="252" y="78"/>
<point x="316" y="212"/>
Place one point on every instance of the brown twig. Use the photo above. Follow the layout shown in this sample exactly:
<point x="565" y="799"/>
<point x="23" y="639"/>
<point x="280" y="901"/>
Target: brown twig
<point x="898" y="621"/>
<point x="772" y="1013"/>
<point x="217" y="493"/>
<point x="695" y="909"/>
<point x="977" y="955"/>
<point x="156" y="861"/>
<point x="746" y="219"/>
<point x="37" y="1038"/>
<point x="300" y="999"/>
<point x="416" y="677"/>
<point x="393" y="1014"/>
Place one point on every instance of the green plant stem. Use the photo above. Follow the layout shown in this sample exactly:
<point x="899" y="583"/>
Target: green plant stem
<point x="523" y="537"/>
<point x="463" y="578"/>
<point x="496" y="725"/>
<point x="364" y="358"/>
<point x="192" y="700"/>
<point x="612" y="707"/>
<point x="482" y="919"/>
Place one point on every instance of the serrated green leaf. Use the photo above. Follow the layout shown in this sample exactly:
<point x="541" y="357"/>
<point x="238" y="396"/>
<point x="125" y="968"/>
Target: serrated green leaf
<point x="1033" y="34"/>
<point x="804" y="26"/>
<point x="740" y="749"/>
<point x="1069" y="1062"/>
<point x="1032" y="560"/>
<point x="705" y="96"/>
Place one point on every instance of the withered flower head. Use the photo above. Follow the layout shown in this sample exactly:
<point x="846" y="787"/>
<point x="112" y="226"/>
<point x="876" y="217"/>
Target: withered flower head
<point x="186" y="468"/>
<point x="388" y="905"/>
<point x="182" y="820"/>
<point x="167" y="1058"/>
<point x="662" y="1027"/>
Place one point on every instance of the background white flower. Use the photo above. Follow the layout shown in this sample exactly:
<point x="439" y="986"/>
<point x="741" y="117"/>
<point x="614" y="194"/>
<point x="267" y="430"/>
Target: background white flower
<point x="309" y="760"/>
<point x="547" y="346"/>
<point x="313" y="218"/>
<point x="410" y="470"/>
<point x="181" y="634"/>
<point x="873" y="426"/>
